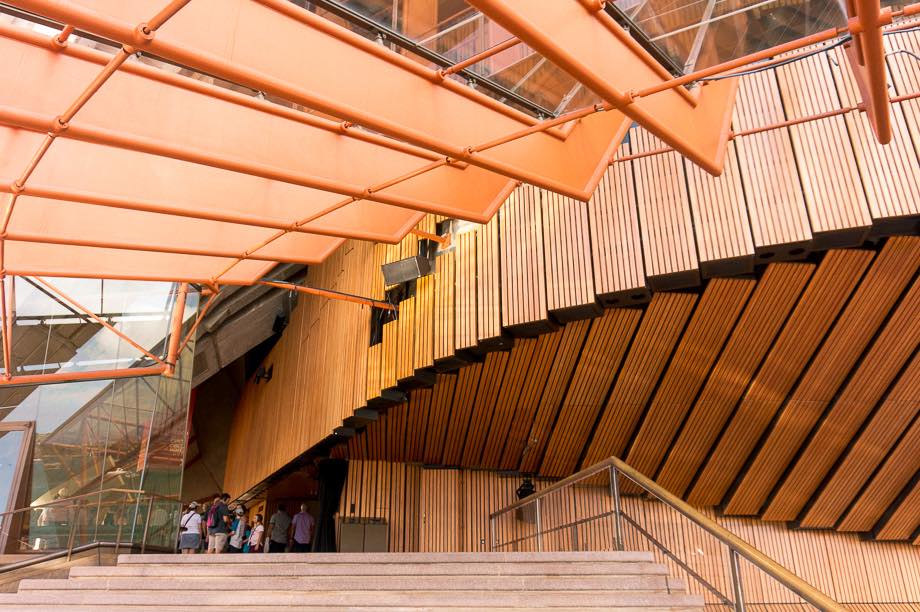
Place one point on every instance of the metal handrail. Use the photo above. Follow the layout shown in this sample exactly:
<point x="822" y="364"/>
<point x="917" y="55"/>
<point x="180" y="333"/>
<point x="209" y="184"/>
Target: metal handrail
<point x="736" y="545"/>
<point x="64" y="500"/>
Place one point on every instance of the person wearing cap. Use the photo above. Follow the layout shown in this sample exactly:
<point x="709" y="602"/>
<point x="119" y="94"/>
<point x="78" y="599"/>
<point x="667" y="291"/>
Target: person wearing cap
<point x="238" y="528"/>
<point x="190" y="530"/>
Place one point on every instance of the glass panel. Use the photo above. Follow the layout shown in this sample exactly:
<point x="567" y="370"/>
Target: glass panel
<point x="111" y="449"/>
<point x="10" y="445"/>
<point x="701" y="33"/>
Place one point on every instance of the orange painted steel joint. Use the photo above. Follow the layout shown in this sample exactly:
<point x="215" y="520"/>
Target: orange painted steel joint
<point x="866" y="54"/>
<point x="175" y="331"/>
<point x="332" y="295"/>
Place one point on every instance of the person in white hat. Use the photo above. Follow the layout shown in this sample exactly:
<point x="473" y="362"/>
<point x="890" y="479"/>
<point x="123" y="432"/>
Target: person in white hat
<point x="190" y="530"/>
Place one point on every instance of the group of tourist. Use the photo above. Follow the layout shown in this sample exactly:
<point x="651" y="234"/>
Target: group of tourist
<point x="223" y="527"/>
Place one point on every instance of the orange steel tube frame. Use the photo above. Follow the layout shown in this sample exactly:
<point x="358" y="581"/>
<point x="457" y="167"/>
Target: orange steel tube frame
<point x="475" y="59"/>
<point x="775" y="126"/>
<point x="99" y="319"/>
<point x="164" y="367"/>
<point x="201" y="314"/>
<point x="330" y="295"/>
<point x="175" y="331"/>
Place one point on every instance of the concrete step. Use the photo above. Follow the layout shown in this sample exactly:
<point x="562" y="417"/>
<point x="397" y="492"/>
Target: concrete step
<point x="378" y="558"/>
<point x="372" y="599"/>
<point x="205" y="568"/>
<point x="364" y="583"/>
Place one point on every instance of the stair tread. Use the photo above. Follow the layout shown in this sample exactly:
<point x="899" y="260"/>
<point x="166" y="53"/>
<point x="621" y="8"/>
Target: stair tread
<point x="517" y="557"/>
<point x="306" y="569"/>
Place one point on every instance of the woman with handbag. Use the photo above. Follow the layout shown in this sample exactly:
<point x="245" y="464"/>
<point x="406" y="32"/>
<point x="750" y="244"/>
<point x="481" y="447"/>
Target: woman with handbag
<point x="190" y="530"/>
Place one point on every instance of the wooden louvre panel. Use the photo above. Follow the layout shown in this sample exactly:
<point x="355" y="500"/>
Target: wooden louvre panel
<point x="465" y="310"/>
<point x="468" y="380"/>
<point x="510" y="398"/>
<point x="664" y="215"/>
<point x="878" y="292"/>
<point x="444" y="307"/>
<point x="388" y="355"/>
<point x="494" y="370"/>
<point x="776" y="206"/>
<point x="763" y="317"/>
<point x="905" y="77"/>
<point x="418" y="408"/>
<point x="888" y="172"/>
<point x="606" y="344"/>
<point x="438" y="416"/>
<point x="720" y="218"/>
<point x="905" y="520"/>
<point x="566" y="358"/>
<point x="523" y="273"/>
<point x="423" y="345"/>
<point x="488" y="283"/>
<point x="869" y="450"/>
<point x="878" y="369"/>
<point x="899" y="471"/>
<point x="439" y="507"/>
<point x="658" y="332"/>
<point x="834" y="195"/>
<point x="825" y="296"/>
<point x="527" y="401"/>
<point x="616" y="246"/>
<point x="569" y="278"/>
<point x="719" y="307"/>
<point x="405" y="339"/>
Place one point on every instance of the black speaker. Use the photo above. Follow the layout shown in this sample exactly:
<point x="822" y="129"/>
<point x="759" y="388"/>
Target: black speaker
<point x="406" y="269"/>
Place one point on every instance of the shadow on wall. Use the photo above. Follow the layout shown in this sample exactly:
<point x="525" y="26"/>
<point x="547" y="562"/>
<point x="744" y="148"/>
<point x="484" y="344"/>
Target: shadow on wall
<point x="215" y="402"/>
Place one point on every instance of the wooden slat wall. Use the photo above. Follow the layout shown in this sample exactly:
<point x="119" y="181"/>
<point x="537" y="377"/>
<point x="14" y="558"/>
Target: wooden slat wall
<point x="834" y="194"/>
<point x="616" y="245"/>
<point x="894" y="205"/>
<point x="661" y="326"/>
<point x="325" y="341"/>
<point x="488" y="290"/>
<point x="775" y="202"/>
<point x="468" y="381"/>
<point x="504" y="278"/>
<point x="869" y="451"/>
<point x="905" y="77"/>
<point x="878" y="292"/>
<point x="664" y="215"/>
<point x="572" y="339"/>
<point x="569" y="276"/>
<point x="899" y="469"/>
<point x="890" y="351"/>
<point x="719" y="307"/>
<point x="600" y="359"/>
<point x="466" y="305"/>
<point x="447" y="510"/>
<point x="444" y="307"/>
<point x="496" y="364"/>
<point x="825" y="296"/>
<point x="720" y="218"/>
<point x="766" y="311"/>
<point x="522" y="270"/>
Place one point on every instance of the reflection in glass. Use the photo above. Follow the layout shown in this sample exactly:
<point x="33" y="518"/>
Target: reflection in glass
<point x="106" y="457"/>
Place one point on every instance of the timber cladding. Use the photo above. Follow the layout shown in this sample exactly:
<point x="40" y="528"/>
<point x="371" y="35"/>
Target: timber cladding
<point x="800" y="366"/>
<point x="790" y="395"/>
<point x="436" y="509"/>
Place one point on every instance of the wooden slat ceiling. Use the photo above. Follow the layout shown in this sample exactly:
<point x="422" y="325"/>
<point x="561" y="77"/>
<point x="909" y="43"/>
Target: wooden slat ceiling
<point x="792" y="395"/>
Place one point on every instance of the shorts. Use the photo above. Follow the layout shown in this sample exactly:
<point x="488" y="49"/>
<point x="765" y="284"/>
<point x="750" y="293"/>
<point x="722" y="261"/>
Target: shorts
<point x="276" y="547"/>
<point x="190" y="540"/>
<point x="218" y="542"/>
<point x="301" y="547"/>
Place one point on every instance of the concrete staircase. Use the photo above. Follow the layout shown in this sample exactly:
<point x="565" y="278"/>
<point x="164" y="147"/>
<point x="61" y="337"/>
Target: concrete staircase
<point x="368" y="581"/>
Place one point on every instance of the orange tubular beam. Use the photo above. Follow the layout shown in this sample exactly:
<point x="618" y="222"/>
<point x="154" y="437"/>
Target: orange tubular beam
<point x="58" y="377"/>
<point x="98" y="319"/>
<point x="201" y="313"/>
<point x="867" y="59"/>
<point x="332" y="295"/>
<point x="88" y="133"/>
<point x="442" y="240"/>
<point x="175" y="331"/>
<point x="6" y="330"/>
<point x="92" y="21"/>
<point x="475" y="59"/>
